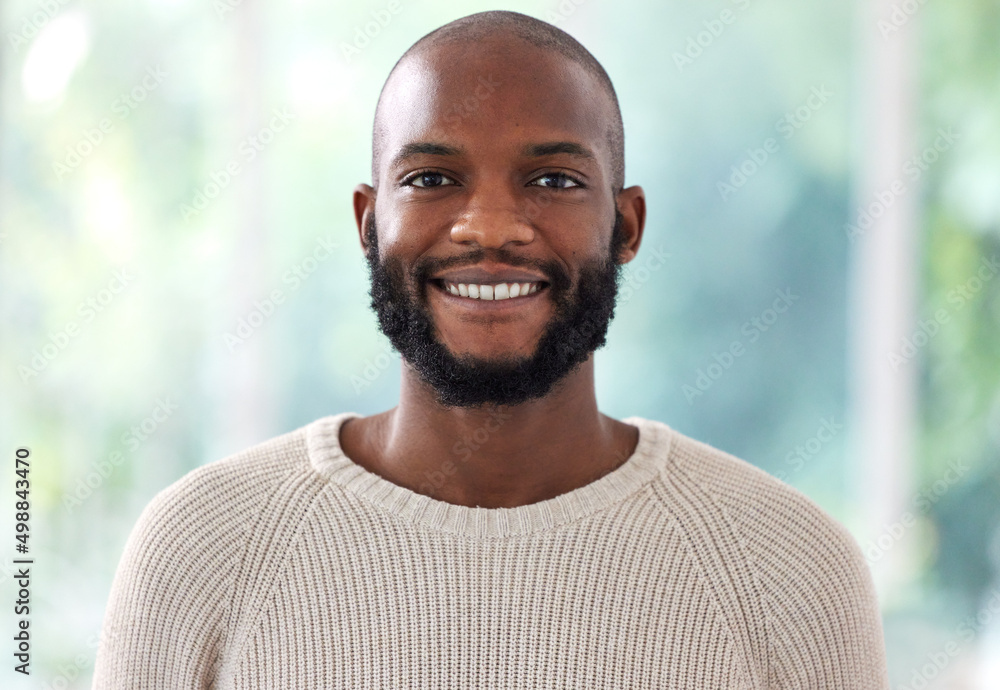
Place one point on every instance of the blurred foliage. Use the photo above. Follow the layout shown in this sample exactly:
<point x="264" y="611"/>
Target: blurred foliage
<point x="960" y="381"/>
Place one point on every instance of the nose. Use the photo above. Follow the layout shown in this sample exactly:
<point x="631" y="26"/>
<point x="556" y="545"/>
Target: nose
<point x="493" y="218"/>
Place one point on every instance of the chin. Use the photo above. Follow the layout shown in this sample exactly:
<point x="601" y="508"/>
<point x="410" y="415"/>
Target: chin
<point x="492" y="347"/>
<point x="508" y="357"/>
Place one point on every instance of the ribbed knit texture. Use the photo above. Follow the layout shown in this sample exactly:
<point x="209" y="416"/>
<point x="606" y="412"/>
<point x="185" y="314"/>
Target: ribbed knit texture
<point x="289" y="566"/>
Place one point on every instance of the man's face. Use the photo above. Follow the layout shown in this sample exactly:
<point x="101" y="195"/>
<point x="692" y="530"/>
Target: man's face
<point x="495" y="169"/>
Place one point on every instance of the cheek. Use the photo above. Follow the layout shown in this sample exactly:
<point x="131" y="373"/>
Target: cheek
<point x="578" y="249"/>
<point x="411" y="229"/>
<point x="391" y="236"/>
<point x="402" y="241"/>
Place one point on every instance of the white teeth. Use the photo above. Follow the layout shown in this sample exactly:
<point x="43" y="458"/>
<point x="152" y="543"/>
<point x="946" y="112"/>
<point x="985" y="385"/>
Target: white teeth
<point x="492" y="292"/>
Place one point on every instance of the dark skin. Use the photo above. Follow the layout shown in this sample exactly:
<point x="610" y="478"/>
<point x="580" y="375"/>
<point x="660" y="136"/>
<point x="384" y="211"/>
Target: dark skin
<point x="492" y="194"/>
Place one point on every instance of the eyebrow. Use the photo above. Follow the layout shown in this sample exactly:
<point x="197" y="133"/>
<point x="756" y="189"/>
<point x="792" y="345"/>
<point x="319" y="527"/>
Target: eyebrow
<point x="531" y="150"/>
<point x="554" y="147"/>
<point x="423" y="148"/>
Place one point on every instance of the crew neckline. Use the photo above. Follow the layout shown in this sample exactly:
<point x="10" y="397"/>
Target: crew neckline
<point x="328" y="459"/>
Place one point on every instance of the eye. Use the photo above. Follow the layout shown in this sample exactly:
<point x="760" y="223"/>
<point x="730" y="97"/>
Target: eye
<point x="427" y="178"/>
<point x="559" y="181"/>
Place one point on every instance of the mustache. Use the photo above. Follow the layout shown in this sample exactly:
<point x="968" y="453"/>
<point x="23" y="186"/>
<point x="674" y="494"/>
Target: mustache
<point x="554" y="273"/>
<point x="421" y="271"/>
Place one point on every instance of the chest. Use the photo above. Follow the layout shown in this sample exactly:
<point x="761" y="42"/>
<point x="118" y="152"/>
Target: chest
<point x="565" y="611"/>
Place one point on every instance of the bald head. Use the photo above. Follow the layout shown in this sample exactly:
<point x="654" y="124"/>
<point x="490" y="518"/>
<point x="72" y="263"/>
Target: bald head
<point x="471" y="33"/>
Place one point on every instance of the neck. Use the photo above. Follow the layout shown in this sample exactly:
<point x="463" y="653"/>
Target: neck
<point x="492" y="456"/>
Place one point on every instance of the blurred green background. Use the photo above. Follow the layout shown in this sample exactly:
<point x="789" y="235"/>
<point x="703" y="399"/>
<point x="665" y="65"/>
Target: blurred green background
<point x="166" y="165"/>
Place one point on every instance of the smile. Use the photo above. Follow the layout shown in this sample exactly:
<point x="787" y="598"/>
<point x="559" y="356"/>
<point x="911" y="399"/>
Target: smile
<point x="490" y="291"/>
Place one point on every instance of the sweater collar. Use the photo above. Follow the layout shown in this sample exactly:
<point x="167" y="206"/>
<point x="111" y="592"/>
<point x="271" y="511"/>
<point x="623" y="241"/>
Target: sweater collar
<point x="328" y="459"/>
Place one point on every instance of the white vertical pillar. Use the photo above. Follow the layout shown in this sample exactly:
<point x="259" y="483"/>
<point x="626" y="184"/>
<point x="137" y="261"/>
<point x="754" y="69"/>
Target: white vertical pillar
<point x="246" y="409"/>
<point x="883" y="287"/>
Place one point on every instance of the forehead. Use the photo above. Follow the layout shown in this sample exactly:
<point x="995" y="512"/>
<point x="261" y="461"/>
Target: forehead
<point x="494" y="96"/>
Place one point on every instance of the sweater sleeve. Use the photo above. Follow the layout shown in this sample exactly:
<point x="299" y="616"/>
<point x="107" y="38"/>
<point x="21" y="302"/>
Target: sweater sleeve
<point x="823" y="619"/>
<point x="166" y="614"/>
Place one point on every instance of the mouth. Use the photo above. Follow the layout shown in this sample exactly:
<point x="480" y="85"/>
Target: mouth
<point x="490" y="292"/>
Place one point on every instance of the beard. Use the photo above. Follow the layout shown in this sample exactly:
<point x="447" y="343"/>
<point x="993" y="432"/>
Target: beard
<point x="578" y="327"/>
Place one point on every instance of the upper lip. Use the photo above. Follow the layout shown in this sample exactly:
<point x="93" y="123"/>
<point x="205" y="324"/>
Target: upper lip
<point x="486" y="274"/>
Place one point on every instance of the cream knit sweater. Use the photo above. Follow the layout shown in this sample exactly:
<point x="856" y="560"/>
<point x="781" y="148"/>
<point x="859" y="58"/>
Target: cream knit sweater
<point x="289" y="566"/>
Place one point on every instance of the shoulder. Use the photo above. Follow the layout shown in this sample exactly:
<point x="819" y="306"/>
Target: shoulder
<point x="230" y="488"/>
<point x="766" y="517"/>
<point x="202" y="524"/>
<point x="205" y="517"/>
<point x="760" y="509"/>
<point x="794" y="565"/>
<point x="698" y="480"/>
<point x="191" y="546"/>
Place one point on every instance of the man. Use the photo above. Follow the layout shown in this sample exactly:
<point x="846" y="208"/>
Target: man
<point x="494" y="529"/>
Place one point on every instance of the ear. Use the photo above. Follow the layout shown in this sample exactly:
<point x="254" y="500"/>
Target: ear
<point x="632" y="205"/>
<point x="364" y="204"/>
